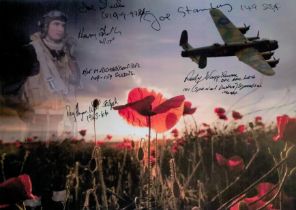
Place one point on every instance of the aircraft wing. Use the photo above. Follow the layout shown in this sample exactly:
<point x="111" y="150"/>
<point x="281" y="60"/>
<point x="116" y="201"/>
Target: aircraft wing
<point x="228" y="31"/>
<point x="253" y="58"/>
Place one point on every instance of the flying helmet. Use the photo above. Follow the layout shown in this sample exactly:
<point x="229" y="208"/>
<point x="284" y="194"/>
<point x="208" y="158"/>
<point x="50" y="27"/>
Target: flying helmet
<point x="48" y="17"/>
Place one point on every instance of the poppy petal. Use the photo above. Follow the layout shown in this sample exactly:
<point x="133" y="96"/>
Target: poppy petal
<point x="265" y="187"/>
<point x="235" y="163"/>
<point x="143" y="103"/>
<point x="221" y="160"/>
<point x="282" y="121"/>
<point x="219" y="110"/>
<point x="174" y="102"/>
<point x="141" y="106"/>
<point x="236" y="115"/>
<point x="240" y="129"/>
<point x="187" y="108"/>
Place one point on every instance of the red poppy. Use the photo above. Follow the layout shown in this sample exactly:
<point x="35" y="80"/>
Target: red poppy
<point x="258" y="200"/>
<point x="222" y="117"/>
<point x="236" y="115"/>
<point x="240" y="129"/>
<point x="175" y="133"/>
<point x="177" y="145"/>
<point x="16" y="189"/>
<point x="174" y="148"/>
<point x="188" y="109"/>
<point x="265" y="187"/>
<point x="248" y="203"/>
<point x="17" y="143"/>
<point x="99" y="143"/>
<point x="142" y="104"/>
<point x="234" y="163"/>
<point x="125" y="144"/>
<point x="219" y="110"/>
<point x="205" y="133"/>
<point x="82" y="132"/>
<point x="221" y="113"/>
<point x="29" y="140"/>
<point x="109" y="137"/>
<point x="222" y="161"/>
<point x="286" y="129"/>
<point x="258" y="121"/>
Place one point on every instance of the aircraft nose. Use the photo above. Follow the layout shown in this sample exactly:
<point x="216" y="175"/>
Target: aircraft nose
<point x="275" y="44"/>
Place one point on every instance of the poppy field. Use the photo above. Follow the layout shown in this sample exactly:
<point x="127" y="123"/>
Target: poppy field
<point x="224" y="165"/>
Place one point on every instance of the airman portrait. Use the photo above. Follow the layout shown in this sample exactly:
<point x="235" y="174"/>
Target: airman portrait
<point x="50" y="79"/>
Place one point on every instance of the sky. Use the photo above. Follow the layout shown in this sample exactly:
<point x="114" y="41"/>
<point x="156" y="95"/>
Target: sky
<point x="120" y="36"/>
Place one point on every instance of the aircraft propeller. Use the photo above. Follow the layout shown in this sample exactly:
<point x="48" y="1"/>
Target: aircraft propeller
<point x="254" y="37"/>
<point x="273" y="62"/>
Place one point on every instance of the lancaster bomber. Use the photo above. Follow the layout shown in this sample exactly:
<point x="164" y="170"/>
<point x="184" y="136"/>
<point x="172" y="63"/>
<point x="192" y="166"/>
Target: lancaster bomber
<point x="253" y="51"/>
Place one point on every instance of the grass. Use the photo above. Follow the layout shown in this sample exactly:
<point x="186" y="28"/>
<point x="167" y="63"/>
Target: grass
<point x="184" y="170"/>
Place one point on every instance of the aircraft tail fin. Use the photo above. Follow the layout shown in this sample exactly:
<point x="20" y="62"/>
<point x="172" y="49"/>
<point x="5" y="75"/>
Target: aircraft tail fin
<point x="201" y="61"/>
<point x="184" y="39"/>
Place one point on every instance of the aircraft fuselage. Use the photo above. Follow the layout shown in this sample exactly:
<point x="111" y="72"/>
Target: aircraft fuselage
<point x="218" y="50"/>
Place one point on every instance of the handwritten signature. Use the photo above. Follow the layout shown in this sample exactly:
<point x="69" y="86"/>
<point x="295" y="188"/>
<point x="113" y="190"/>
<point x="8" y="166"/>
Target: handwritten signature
<point x="189" y="11"/>
<point x="101" y="111"/>
<point x="210" y="75"/>
<point x="117" y="10"/>
<point x="101" y="34"/>
<point x="224" y="82"/>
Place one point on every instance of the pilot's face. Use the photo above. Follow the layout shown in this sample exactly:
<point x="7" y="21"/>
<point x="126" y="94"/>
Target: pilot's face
<point x="56" y="30"/>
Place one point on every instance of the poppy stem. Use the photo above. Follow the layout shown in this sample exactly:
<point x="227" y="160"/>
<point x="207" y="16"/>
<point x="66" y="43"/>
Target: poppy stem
<point x="118" y="189"/>
<point x="195" y="124"/>
<point x="149" y="164"/>
<point x="101" y="176"/>
<point x="185" y="125"/>
<point x="95" y="126"/>
<point x="192" y="175"/>
<point x="2" y="166"/>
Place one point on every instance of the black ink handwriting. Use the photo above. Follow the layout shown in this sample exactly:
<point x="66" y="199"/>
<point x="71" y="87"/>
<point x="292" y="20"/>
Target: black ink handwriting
<point x="224" y="82"/>
<point x="109" y="73"/>
<point x="89" y="114"/>
<point x="104" y="34"/>
<point x="189" y="11"/>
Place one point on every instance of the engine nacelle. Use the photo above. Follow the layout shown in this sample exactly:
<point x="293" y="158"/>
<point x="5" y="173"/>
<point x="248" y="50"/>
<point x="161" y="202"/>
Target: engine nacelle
<point x="253" y="38"/>
<point x="273" y="63"/>
<point x="244" y="29"/>
<point x="267" y="55"/>
<point x="202" y="63"/>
